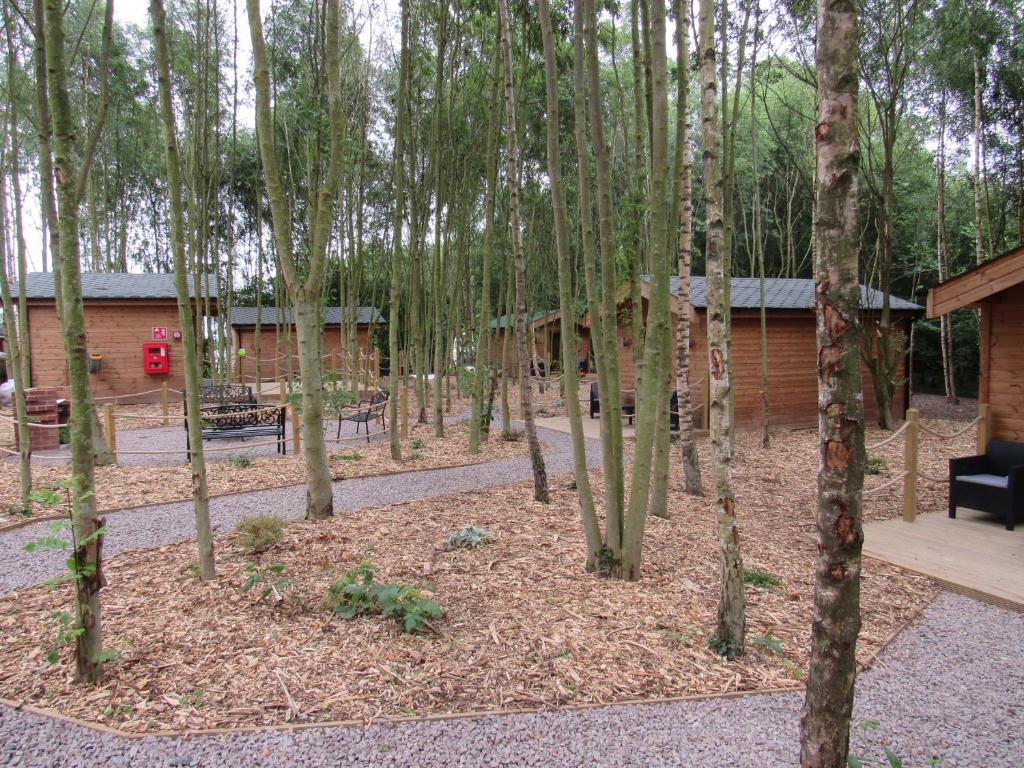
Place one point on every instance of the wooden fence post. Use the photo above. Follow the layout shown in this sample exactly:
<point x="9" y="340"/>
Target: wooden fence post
<point x="910" y="451"/>
<point x="705" y="419"/>
<point x="163" y="401"/>
<point x="108" y="413"/>
<point x="296" y="433"/>
<point x="241" y="369"/>
<point x="282" y="391"/>
<point x="984" y="426"/>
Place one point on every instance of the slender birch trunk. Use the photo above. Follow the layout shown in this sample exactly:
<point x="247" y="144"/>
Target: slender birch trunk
<point x="979" y="245"/>
<point x="683" y="220"/>
<point x="480" y="376"/>
<point x="731" y="628"/>
<point x="945" y="322"/>
<point x="175" y="187"/>
<point x="825" y="722"/>
<point x="398" y="191"/>
<point x="608" y="366"/>
<point x="70" y="174"/>
<point x="440" y="255"/>
<point x="304" y="289"/>
<point x="14" y="355"/>
<point x="588" y="513"/>
<point x="540" y="480"/>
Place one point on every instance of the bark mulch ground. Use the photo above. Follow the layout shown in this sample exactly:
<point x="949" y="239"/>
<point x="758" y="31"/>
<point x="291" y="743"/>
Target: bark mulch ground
<point x="132" y="485"/>
<point x="523" y="626"/>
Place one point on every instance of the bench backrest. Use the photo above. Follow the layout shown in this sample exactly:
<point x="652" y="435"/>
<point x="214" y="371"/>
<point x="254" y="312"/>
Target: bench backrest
<point x="1003" y="454"/>
<point x="226" y="393"/>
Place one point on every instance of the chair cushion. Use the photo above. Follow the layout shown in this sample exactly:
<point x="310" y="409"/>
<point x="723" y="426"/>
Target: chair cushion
<point x="993" y="481"/>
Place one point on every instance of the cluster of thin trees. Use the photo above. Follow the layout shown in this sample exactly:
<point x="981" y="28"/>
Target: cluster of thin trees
<point x="497" y="149"/>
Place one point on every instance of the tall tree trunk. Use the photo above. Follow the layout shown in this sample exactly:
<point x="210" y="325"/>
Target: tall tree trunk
<point x="70" y="173"/>
<point x="758" y="241"/>
<point x="200" y="492"/>
<point x="825" y="722"/>
<point x="608" y="365"/>
<point x="684" y="222"/>
<point x="540" y="479"/>
<point x="945" y="324"/>
<point x="15" y="352"/>
<point x="588" y="514"/>
<point x="979" y="242"/>
<point x="398" y="170"/>
<point x="304" y="287"/>
<point x="731" y="628"/>
<point x="440" y="256"/>
<point x="481" y="375"/>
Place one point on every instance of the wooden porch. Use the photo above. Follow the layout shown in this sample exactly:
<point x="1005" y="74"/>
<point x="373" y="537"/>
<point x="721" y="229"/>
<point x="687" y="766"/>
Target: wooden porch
<point x="973" y="554"/>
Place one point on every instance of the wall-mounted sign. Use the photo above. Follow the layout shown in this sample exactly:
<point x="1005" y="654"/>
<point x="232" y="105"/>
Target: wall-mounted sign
<point x="159" y="333"/>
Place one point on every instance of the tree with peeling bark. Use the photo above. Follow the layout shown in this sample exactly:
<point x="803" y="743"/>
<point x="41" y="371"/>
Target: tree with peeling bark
<point x="304" y="279"/>
<point x="825" y="721"/>
<point x="71" y="165"/>
<point x="175" y="190"/>
<point x="684" y="221"/>
<point x="540" y="479"/>
<point x="731" y="626"/>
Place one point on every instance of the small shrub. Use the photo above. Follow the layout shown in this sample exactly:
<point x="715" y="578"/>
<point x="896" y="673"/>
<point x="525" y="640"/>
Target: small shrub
<point x="418" y="444"/>
<point x="468" y="537"/>
<point x="874" y="465"/>
<point x="275" y="584"/>
<point x="724" y="647"/>
<point x="770" y="642"/>
<point x="242" y="462"/>
<point x="348" y="456"/>
<point x="64" y="434"/>
<point x="356" y="593"/>
<point x="258" y="534"/>
<point x="513" y="436"/>
<point x="13" y="509"/>
<point x="761" y="579"/>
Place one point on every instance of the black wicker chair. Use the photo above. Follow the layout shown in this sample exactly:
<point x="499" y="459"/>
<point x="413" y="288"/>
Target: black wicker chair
<point x="992" y="482"/>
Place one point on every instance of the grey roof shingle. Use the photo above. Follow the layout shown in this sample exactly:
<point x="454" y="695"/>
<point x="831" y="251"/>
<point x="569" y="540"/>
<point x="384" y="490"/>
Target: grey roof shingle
<point x="112" y="285"/>
<point x="502" y="321"/>
<point x="242" y="316"/>
<point x="780" y="293"/>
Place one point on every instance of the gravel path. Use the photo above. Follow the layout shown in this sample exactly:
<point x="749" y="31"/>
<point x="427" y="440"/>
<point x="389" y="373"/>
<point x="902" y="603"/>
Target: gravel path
<point x="950" y="687"/>
<point x="167" y="523"/>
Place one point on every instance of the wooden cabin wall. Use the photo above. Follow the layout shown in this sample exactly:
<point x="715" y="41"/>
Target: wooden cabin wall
<point x="1002" y="363"/>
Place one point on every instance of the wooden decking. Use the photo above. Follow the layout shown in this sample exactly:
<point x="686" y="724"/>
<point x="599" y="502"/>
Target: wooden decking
<point x="974" y="553"/>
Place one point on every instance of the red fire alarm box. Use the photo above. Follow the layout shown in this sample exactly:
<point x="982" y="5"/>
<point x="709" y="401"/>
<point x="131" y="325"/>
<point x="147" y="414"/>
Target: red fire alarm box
<point x="155" y="358"/>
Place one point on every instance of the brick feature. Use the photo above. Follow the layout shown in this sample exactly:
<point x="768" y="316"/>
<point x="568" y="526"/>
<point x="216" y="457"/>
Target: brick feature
<point x="41" y="405"/>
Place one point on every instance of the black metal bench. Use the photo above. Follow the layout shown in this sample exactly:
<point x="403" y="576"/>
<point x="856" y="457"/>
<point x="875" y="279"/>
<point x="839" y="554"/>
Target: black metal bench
<point x="992" y="482"/>
<point x="230" y="412"/>
<point x="374" y="409"/>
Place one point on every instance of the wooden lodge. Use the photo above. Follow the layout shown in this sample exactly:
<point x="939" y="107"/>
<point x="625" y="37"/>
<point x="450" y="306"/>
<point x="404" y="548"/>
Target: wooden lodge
<point x="996" y="288"/>
<point x="547" y="341"/>
<point x="279" y="343"/>
<point x="132" y="334"/>
<point x="792" y="348"/>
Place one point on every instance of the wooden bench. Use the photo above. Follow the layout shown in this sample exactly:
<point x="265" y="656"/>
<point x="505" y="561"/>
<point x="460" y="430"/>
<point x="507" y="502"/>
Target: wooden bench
<point x="992" y="482"/>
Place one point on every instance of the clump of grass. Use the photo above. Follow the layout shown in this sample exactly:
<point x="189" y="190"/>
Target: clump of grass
<point x="468" y="537"/>
<point x="348" y="456"/>
<point x="761" y="579"/>
<point x="874" y="465"/>
<point x="513" y="436"/>
<point x="418" y="444"/>
<point x="259" y="533"/>
<point x="239" y="461"/>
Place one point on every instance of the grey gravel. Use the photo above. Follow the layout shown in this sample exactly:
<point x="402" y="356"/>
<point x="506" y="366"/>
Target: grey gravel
<point x="951" y="687"/>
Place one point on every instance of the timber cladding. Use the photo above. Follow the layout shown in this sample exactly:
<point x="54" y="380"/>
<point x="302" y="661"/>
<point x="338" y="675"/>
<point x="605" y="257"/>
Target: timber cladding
<point x="116" y="329"/>
<point x="1002" y="363"/>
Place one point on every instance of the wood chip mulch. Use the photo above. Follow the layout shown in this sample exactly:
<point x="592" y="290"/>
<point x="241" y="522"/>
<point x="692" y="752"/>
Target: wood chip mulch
<point x="524" y="625"/>
<point x="129" y="486"/>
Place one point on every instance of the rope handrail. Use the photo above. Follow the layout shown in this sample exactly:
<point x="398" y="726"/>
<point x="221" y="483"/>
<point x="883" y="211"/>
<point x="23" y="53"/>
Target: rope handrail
<point x="930" y="479"/>
<point x="942" y="436"/>
<point x="883" y="486"/>
<point x="133" y="394"/>
<point x="30" y="424"/>
<point x="889" y="439"/>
